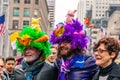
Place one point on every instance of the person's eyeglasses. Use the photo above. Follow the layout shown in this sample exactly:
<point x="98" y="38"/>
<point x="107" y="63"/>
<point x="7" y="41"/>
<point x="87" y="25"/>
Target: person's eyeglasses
<point x="100" y="51"/>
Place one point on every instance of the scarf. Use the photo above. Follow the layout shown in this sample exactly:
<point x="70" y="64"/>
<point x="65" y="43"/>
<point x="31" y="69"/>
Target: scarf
<point x="31" y="70"/>
<point x="77" y="61"/>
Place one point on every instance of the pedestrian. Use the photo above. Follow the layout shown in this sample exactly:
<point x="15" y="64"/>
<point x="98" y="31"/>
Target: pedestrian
<point x="2" y="65"/>
<point x="34" y="45"/>
<point x="106" y="51"/>
<point x="72" y="42"/>
<point x="53" y="56"/>
<point x="9" y="68"/>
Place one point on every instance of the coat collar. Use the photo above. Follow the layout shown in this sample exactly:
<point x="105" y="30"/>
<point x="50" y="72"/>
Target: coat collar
<point x="115" y="71"/>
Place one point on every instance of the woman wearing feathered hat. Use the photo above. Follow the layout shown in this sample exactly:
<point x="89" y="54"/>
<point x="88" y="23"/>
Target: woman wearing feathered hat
<point x="72" y="41"/>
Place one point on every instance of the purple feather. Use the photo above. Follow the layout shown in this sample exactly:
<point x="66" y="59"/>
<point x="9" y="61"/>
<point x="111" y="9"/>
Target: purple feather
<point x="73" y="32"/>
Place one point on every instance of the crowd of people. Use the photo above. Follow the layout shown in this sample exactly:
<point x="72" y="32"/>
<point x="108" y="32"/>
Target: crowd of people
<point x="62" y="56"/>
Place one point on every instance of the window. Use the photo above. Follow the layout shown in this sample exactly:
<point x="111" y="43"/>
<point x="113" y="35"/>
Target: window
<point x="36" y="1"/>
<point x="15" y="24"/>
<point x="102" y="15"/>
<point x="26" y="12"/>
<point x="35" y="13"/>
<point x="25" y="23"/>
<point x="16" y="1"/>
<point x="16" y="11"/>
<point x="94" y="32"/>
<point x="104" y="23"/>
<point x="27" y="1"/>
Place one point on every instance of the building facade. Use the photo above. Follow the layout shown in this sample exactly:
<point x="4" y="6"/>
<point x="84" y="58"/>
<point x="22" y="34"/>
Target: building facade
<point x="84" y="6"/>
<point x="98" y="12"/>
<point x="21" y="13"/>
<point x="51" y="18"/>
<point x="100" y="8"/>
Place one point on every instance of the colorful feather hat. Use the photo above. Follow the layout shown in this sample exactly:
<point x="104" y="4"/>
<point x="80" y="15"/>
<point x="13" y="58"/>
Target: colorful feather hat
<point x="71" y="30"/>
<point x="33" y="36"/>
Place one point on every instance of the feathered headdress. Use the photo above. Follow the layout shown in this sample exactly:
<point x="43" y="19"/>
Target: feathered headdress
<point x="34" y="37"/>
<point x="71" y="30"/>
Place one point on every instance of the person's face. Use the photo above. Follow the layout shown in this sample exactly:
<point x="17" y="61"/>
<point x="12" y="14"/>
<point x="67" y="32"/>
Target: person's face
<point x="30" y="54"/>
<point x="103" y="58"/>
<point x="1" y="66"/>
<point x="64" y="47"/>
<point x="53" y="56"/>
<point x="10" y="64"/>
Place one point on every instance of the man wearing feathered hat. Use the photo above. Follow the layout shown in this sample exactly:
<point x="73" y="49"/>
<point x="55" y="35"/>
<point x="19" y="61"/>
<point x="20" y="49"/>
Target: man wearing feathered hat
<point x="72" y="41"/>
<point x="35" y="47"/>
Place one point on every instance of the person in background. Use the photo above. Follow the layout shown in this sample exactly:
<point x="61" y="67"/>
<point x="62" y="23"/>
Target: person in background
<point x="72" y="41"/>
<point x="9" y="68"/>
<point x="53" y="56"/>
<point x="106" y="51"/>
<point x="35" y="48"/>
<point x="2" y="63"/>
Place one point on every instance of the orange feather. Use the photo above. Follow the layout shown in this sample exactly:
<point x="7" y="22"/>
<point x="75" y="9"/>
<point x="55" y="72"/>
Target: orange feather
<point x="87" y="22"/>
<point x="42" y="39"/>
<point x="24" y="41"/>
<point x="59" y="31"/>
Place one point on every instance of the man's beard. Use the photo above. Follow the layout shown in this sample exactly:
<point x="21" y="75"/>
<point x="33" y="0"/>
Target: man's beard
<point x="68" y="53"/>
<point x="31" y="60"/>
<point x="35" y="59"/>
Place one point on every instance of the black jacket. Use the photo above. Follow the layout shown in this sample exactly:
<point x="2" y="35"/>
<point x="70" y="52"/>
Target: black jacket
<point x="3" y="77"/>
<point x="47" y="72"/>
<point x="9" y="76"/>
<point x="85" y="73"/>
<point x="114" y="74"/>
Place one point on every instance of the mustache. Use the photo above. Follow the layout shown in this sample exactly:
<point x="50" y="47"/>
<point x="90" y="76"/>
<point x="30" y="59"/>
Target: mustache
<point x="27" y="53"/>
<point x="63" y="48"/>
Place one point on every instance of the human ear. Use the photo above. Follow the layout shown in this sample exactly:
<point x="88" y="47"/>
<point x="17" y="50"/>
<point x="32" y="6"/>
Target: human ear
<point x="113" y="54"/>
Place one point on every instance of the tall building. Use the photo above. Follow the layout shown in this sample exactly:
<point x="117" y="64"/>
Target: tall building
<point x="22" y="11"/>
<point x="98" y="13"/>
<point x="83" y="9"/>
<point x="101" y="11"/>
<point x="95" y="9"/>
<point x="100" y="8"/>
<point x="113" y="8"/>
<point x="20" y="14"/>
<point x="51" y="9"/>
